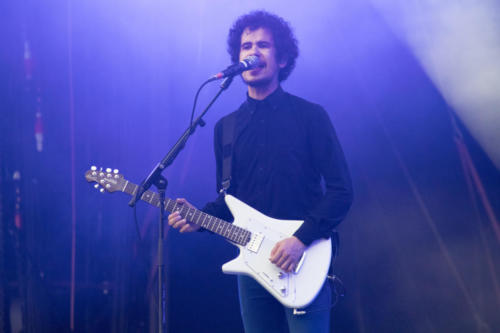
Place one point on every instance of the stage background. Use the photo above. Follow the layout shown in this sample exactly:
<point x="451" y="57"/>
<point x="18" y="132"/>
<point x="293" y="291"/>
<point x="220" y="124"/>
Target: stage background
<point x="111" y="84"/>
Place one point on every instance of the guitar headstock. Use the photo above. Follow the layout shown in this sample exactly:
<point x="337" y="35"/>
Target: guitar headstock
<point x="106" y="179"/>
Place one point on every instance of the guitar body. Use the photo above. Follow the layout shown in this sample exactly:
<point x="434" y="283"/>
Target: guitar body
<point x="293" y="290"/>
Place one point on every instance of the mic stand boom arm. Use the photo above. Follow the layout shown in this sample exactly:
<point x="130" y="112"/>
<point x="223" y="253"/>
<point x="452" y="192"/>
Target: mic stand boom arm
<point x="178" y="146"/>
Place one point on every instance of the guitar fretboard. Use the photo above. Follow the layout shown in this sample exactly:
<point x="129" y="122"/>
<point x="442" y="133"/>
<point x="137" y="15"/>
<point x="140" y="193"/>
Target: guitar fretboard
<point x="225" y="229"/>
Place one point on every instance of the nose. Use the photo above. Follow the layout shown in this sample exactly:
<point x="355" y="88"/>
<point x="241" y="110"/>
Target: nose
<point x="255" y="50"/>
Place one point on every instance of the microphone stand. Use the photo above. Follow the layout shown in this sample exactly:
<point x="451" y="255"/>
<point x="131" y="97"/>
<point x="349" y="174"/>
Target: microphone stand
<point x="155" y="178"/>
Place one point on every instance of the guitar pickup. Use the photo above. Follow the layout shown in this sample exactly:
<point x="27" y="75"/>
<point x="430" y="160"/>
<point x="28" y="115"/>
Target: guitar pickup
<point x="255" y="242"/>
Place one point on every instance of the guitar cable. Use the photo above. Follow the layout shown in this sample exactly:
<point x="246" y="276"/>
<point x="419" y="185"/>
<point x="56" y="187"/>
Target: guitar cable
<point x="137" y="224"/>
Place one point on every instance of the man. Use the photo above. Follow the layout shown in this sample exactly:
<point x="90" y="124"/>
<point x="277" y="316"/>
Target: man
<point x="283" y="149"/>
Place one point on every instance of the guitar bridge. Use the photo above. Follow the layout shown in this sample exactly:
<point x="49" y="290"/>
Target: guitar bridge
<point x="255" y="242"/>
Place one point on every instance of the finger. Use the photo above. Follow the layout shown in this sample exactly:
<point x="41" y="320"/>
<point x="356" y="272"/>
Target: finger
<point x="179" y="223"/>
<point x="288" y="265"/>
<point x="173" y="214"/>
<point x="277" y="255"/>
<point x="183" y="201"/>
<point x="276" y="251"/>
<point x="185" y="228"/>
<point x="173" y="218"/>
<point x="275" y="248"/>
<point x="283" y="259"/>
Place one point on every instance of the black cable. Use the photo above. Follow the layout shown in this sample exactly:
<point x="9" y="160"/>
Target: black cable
<point x="196" y="100"/>
<point x="137" y="224"/>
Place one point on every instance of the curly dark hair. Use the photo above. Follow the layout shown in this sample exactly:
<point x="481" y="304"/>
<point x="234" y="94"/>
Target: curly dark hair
<point x="284" y="40"/>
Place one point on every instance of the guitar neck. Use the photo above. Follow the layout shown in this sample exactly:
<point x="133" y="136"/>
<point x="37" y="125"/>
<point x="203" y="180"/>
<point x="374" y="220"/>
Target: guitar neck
<point x="225" y="229"/>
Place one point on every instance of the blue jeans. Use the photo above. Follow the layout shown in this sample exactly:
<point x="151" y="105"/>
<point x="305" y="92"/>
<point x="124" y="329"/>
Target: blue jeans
<point x="262" y="313"/>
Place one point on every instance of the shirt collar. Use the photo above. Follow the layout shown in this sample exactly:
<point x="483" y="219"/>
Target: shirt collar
<point x="273" y="100"/>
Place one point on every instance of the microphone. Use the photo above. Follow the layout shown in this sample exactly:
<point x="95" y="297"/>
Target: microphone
<point x="246" y="64"/>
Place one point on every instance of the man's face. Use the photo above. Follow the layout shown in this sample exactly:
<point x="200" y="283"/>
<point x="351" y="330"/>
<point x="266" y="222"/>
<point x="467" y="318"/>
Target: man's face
<point x="260" y="43"/>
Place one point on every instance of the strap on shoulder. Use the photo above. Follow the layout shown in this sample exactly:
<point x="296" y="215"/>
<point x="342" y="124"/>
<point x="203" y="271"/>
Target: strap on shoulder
<point x="227" y="151"/>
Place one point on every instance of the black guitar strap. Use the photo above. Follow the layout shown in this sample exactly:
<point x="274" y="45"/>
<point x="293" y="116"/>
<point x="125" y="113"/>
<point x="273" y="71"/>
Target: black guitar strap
<point x="228" y="124"/>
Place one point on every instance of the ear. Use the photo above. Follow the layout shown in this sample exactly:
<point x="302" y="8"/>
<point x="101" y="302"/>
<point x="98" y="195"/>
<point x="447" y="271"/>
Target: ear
<point x="283" y="62"/>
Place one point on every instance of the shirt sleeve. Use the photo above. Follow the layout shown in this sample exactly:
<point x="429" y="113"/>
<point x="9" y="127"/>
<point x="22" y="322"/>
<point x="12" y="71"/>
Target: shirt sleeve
<point x="328" y="158"/>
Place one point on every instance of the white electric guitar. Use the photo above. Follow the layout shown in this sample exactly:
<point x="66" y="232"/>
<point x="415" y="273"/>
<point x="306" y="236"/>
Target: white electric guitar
<point x="254" y="233"/>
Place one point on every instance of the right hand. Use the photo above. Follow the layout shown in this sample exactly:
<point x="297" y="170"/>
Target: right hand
<point x="176" y="221"/>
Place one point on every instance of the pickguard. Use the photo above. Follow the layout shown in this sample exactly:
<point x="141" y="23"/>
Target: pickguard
<point x="259" y="263"/>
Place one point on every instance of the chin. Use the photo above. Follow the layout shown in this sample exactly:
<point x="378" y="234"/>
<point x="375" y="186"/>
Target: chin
<point x="257" y="82"/>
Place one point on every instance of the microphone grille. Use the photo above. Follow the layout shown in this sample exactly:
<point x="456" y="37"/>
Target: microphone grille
<point x="251" y="61"/>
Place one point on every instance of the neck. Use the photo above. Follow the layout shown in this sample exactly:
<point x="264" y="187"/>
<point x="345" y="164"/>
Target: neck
<point x="261" y="92"/>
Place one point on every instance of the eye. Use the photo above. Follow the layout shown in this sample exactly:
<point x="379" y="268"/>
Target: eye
<point x="246" y="46"/>
<point x="264" y="45"/>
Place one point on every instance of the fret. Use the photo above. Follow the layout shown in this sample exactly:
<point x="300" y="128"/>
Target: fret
<point x="125" y="185"/>
<point x="190" y="213"/>
<point x="240" y="236"/>
<point x="231" y="233"/>
<point x="224" y="229"/>
<point x="184" y="210"/>
<point x="198" y="219"/>
<point x="204" y="219"/>
<point x="215" y="224"/>
<point x="168" y="205"/>
<point x="219" y="226"/>
<point x="209" y="221"/>
<point x="235" y="234"/>
<point x="229" y="227"/>
<point x="135" y="189"/>
<point x="146" y="196"/>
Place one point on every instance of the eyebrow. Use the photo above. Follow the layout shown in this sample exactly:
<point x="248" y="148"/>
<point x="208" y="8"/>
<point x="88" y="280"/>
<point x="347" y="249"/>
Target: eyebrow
<point x="259" y="43"/>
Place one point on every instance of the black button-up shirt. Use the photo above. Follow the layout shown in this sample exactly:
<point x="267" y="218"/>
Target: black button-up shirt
<point x="287" y="163"/>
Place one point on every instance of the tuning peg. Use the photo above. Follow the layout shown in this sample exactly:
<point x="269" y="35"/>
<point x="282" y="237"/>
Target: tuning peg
<point x="115" y="171"/>
<point x="108" y="170"/>
<point x="96" y="185"/>
<point x="101" y="190"/>
<point x="93" y="168"/>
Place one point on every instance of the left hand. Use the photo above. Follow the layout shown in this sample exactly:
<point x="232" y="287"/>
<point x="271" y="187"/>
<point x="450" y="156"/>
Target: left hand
<point x="286" y="254"/>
